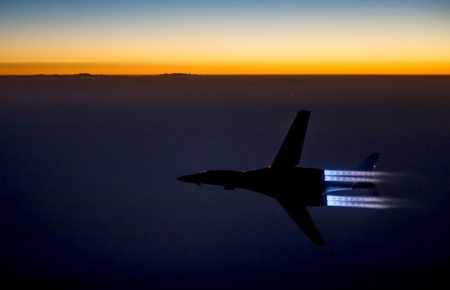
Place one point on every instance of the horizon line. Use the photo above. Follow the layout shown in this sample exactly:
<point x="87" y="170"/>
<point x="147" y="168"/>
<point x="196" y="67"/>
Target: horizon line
<point x="236" y="74"/>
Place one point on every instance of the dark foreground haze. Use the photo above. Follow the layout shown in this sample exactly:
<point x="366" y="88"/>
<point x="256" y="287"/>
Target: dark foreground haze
<point x="88" y="196"/>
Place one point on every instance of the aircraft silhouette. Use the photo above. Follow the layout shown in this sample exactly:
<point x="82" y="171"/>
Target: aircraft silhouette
<point x="293" y="187"/>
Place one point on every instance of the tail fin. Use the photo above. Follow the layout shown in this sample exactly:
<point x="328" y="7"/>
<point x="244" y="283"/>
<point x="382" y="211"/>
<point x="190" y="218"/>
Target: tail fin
<point x="369" y="163"/>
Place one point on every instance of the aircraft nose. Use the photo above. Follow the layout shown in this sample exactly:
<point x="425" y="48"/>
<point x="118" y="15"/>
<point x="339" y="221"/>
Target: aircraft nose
<point x="186" y="178"/>
<point x="182" y="178"/>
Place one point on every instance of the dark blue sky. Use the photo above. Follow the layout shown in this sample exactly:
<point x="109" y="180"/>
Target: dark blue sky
<point x="89" y="196"/>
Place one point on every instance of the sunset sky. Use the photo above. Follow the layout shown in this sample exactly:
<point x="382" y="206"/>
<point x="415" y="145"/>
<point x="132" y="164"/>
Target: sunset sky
<point x="225" y="37"/>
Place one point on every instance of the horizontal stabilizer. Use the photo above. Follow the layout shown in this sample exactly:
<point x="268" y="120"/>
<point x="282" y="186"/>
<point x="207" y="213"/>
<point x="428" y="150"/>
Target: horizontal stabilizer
<point x="369" y="163"/>
<point x="341" y="191"/>
<point x="371" y="192"/>
<point x="302" y="218"/>
<point x="291" y="149"/>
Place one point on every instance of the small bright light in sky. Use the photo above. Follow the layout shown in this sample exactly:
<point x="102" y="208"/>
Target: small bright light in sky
<point x="225" y="37"/>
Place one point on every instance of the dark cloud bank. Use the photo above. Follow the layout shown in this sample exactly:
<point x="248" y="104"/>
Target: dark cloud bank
<point x="89" y="197"/>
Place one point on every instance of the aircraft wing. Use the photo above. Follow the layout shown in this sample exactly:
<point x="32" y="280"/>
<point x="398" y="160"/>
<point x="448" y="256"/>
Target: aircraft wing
<point x="291" y="149"/>
<point x="302" y="218"/>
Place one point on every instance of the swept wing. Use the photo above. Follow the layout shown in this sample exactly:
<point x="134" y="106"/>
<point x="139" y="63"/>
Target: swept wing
<point x="290" y="151"/>
<point x="302" y="218"/>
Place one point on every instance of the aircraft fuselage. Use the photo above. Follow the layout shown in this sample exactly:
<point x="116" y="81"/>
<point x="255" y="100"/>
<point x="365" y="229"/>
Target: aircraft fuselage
<point x="307" y="184"/>
<point x="293" y="187"/>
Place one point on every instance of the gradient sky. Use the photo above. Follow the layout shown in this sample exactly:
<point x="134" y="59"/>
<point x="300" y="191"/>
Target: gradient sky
<point x="225" y="37"/>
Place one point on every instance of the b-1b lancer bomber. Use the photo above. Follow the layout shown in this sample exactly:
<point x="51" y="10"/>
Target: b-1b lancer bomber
<point x="293" y="187"/>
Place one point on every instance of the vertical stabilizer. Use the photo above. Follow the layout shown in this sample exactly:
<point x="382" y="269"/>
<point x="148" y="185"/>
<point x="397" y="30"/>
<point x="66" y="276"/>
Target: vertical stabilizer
<point x="369" y="163"/>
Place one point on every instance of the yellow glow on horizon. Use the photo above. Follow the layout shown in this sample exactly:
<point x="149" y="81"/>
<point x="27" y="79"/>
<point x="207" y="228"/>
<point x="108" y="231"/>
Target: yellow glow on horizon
<point x="326" y="50"/>
<point x="294" y="38"/>
<point x="344" y="48"/>
<point x="423" y="68"/>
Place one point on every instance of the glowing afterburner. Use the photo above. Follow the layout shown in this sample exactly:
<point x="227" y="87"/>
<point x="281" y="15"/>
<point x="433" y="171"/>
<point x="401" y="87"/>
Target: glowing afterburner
<point x="357" y="201"/>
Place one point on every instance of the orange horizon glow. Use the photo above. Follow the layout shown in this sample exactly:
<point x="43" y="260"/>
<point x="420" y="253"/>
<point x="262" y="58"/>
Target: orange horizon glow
<point x="227" y="69"/>
<point x="296" y="38"/>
